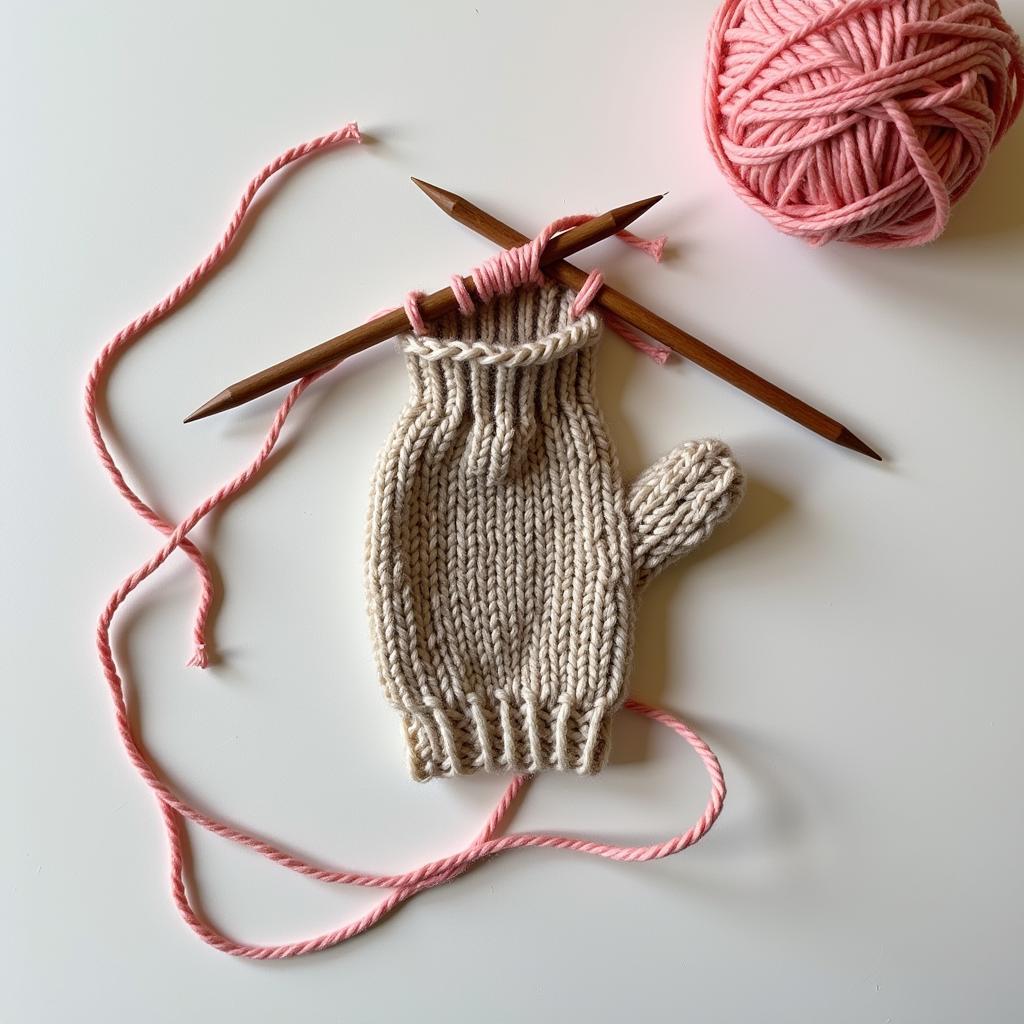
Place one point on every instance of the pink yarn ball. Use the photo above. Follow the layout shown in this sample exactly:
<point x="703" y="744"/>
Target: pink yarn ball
<point x="859" y="120"/>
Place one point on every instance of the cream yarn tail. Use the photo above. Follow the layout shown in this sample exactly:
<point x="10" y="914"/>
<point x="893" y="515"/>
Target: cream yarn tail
<point x="504" y="554"/>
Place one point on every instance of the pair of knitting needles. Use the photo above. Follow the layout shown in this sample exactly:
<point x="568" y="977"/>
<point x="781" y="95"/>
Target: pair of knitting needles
<point x="442" y="302"/>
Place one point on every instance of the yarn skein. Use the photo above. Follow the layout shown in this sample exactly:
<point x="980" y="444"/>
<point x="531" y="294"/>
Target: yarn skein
<point x="859" y="120"/>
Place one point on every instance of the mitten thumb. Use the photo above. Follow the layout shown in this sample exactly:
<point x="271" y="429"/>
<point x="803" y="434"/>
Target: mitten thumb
<point x="675" y="504"/>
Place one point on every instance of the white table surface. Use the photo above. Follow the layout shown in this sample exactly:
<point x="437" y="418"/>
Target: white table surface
<point x="850" y="644"/>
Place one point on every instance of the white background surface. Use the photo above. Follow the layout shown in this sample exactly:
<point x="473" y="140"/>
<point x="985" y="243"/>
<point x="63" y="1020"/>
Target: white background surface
<point x="849" y="644"/>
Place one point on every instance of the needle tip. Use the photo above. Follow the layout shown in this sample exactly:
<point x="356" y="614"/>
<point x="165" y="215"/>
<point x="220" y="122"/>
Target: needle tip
<point x="216" y="404"/>
<point x="623" y="216"/>
<point x="446" y="200"/>
<point x="850" y="440"/>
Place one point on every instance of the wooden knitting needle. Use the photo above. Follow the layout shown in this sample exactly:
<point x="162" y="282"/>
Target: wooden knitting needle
<point x="655" y="326"/>
<point x="432" y="306"/>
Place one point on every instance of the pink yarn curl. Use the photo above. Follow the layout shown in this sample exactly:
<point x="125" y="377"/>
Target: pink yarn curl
<point x="174" y="809"/>
<point x="859" y="120"/>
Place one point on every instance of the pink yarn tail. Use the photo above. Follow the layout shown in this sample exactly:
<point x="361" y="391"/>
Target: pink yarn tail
<point x="199" y="659"/>
<point x="654" y="352"/>
<point x="654" y="247"/>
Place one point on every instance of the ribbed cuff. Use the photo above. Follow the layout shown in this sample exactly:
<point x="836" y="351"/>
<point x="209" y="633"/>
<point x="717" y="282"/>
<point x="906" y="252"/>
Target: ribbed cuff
<point x="447" y="741"/>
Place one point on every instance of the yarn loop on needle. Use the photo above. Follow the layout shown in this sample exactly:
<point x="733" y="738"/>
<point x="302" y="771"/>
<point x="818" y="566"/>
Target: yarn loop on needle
<point x="518" y="267"/>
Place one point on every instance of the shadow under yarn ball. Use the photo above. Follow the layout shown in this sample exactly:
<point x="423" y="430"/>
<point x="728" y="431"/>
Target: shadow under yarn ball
<point x="861" y="121"/>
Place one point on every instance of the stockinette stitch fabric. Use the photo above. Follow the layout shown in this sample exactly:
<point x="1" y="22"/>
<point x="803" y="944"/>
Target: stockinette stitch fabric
<point x="504" y="553"/>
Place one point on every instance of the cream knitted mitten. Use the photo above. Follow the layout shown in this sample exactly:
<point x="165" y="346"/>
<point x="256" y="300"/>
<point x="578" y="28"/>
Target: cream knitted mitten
<point x="504" y="554"/>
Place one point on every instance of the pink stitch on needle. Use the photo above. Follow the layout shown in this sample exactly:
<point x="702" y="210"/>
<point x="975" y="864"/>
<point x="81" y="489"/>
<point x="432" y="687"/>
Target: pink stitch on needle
<point x="509" y="269"/>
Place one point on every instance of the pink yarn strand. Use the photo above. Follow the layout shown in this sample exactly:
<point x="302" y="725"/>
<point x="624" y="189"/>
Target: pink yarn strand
<point x="174" y="809"/>
<point x="654" y="247"/>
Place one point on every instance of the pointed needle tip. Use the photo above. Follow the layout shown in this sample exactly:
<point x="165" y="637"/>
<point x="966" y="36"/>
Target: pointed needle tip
<point x="441" y="197"/>
<point x="216" y="404"/>
<point x="850" y="440"/>
<point x="623" y="216"/>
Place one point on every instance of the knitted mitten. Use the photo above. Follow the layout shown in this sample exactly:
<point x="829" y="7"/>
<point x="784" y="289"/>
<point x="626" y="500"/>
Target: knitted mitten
<point x="504" y="553"/>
